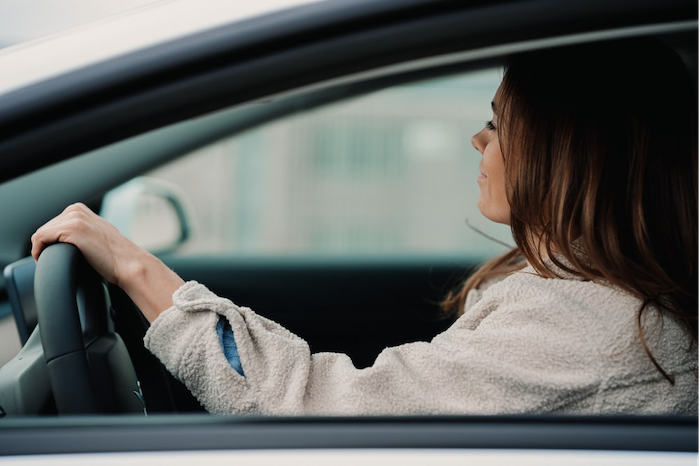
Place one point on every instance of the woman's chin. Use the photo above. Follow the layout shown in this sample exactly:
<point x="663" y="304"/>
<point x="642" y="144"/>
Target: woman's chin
<point x="495" y="215"/>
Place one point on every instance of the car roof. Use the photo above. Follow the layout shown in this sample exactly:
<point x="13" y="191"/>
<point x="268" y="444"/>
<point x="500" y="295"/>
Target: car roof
<point x="99" y="41"/>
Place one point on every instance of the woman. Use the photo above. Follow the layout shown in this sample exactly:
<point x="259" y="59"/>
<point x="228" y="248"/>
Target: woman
<point x="591" y="159"/>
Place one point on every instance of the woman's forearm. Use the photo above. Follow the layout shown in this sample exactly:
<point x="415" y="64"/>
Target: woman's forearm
<point x="150" y="284"/>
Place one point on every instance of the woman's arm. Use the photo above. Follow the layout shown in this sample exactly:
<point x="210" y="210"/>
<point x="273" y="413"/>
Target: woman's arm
<point x="147" y="281"/>
<point x="508" y="364"/>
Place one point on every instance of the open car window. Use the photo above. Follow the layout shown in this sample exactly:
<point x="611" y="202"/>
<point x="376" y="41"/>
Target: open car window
<point x="389" y="173"/>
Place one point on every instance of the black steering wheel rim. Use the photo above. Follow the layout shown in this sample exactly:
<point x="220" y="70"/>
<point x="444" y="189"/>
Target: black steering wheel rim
<point x="88" y="365"/>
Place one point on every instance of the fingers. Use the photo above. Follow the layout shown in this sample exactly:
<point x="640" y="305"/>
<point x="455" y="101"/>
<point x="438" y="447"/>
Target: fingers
<point x="64" y="228"/>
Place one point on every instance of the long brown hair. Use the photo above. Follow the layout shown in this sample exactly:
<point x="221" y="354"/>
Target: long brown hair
<point x="600" y="153"/>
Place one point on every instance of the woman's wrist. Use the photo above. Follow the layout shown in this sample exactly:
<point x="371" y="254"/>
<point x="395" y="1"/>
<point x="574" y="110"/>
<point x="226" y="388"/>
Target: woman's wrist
<point x="149" y="283"/>
<point x="132" y="269"/>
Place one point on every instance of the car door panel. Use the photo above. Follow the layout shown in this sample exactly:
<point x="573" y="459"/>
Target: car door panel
<point x="356" y="307"/>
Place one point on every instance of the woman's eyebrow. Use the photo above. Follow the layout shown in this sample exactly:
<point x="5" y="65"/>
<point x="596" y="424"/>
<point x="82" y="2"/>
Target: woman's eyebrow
<point x="493" y="107"/>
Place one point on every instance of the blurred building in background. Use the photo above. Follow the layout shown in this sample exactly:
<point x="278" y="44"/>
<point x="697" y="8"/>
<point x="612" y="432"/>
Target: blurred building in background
<point x="393" y="172"/>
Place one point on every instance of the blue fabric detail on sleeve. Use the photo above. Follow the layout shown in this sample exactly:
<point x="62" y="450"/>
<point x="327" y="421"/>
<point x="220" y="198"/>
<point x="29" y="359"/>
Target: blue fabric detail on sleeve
<point x="228" y="344"/>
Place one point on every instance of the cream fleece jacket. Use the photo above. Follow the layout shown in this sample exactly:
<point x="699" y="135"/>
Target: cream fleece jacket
<point x="526" y="344"/>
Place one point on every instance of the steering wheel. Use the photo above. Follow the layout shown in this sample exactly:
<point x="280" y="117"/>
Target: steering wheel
<point x="88" y="365"/>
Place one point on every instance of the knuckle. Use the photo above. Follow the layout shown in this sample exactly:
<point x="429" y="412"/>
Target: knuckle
<point x="76" y="207"/>
<point x="76" y="215"/>
<point x="76" y="223"/>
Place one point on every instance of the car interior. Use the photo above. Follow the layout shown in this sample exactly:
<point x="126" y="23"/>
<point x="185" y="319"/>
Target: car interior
<point x="355" y="296"/>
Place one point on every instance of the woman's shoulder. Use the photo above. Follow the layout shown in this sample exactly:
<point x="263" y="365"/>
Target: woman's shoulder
<point x="570" y="305"/>
<point x="587" y="313"/>
<point x="526" y="287"/>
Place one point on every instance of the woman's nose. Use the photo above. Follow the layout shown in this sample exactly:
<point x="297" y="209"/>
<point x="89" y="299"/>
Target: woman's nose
<point x="478" y="141"/>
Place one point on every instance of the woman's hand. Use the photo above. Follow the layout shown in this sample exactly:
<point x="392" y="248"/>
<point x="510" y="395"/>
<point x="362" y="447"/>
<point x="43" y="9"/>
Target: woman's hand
<point x="107" y="250"/>
<point x="147" y="281"/>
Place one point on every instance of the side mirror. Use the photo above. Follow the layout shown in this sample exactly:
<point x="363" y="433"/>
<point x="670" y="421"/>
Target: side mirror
<point x="150" y="212"/>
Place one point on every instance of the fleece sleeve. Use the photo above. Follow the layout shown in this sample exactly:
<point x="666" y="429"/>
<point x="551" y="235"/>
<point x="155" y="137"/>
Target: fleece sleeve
<point x="526" y="354"/>
<point x="447" y="375"/>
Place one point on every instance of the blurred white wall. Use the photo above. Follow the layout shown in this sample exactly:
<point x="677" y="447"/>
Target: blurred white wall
<point x="22" y="20"/>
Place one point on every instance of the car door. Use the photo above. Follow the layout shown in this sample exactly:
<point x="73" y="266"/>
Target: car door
<point x="97" y="128"/>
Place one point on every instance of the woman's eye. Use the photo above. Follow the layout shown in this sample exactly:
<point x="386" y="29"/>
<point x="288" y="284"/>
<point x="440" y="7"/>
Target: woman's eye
<point x="490" y="126"/>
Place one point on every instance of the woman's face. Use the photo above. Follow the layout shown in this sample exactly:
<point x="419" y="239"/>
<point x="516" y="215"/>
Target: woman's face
<point x="492" y="200"/>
